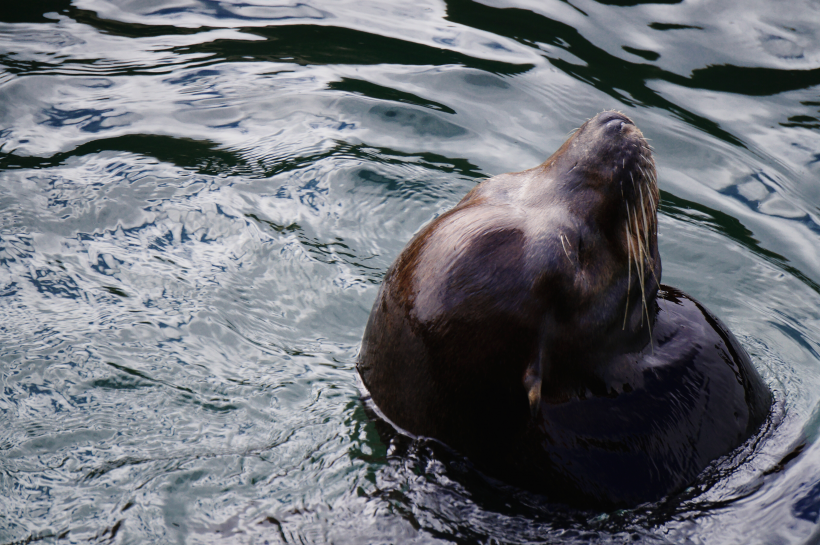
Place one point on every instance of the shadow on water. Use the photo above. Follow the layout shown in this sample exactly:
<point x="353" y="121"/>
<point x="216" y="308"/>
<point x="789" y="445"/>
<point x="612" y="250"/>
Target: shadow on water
<point x="323" y="45"/>
<point x="380" y="92"/>
<point x="601" y="69"/>
<point x="203" y="157"/>
<point x="730" y="227"/>
<point x="299" y="44"/>
<point x="612" y="75"/>
<point x="624" y="3"/>
<point x="33" y="12"/>
<point x="212" y="159"/>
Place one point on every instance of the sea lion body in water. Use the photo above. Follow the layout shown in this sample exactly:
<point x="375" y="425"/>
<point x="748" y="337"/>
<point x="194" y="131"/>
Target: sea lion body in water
<point x="525" y="329"/>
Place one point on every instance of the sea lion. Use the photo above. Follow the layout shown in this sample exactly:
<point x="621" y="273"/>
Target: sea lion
<point x="527" y="329"/>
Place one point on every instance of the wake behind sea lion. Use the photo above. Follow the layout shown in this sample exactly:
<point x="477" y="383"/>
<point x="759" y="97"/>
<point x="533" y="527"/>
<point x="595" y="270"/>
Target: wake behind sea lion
<point x="527" y="329"/>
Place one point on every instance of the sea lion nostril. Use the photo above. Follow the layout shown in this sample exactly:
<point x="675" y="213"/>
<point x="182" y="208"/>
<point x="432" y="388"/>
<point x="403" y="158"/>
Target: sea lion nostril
<point x="613" y="118"/>
<point x="617" y="126"/>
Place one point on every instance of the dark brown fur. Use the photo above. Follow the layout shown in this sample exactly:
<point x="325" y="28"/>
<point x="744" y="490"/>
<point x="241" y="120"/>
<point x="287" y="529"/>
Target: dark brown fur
<point x="536" y="291"/>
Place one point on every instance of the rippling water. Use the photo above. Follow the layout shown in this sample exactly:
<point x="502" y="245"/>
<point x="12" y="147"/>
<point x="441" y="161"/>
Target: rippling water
<point x="198" y="200"/>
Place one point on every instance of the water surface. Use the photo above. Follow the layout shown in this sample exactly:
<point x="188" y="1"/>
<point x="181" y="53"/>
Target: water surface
<point x="199" y="199"/>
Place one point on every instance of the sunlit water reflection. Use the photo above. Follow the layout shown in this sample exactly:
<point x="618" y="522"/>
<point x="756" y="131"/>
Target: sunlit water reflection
<point x="199" y="199"/>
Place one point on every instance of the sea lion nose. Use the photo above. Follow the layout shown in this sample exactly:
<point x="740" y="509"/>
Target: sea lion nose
<point x="613" y="119"/>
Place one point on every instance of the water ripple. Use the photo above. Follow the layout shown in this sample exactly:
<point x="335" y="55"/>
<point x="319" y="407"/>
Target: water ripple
<point x="198" y="201"/>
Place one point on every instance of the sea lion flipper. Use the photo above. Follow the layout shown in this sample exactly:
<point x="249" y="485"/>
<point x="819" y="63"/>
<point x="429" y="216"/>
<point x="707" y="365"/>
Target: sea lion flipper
<point x="538" y="369"/>
<point x="532" y="383"/>
<point x="533" y="377"/>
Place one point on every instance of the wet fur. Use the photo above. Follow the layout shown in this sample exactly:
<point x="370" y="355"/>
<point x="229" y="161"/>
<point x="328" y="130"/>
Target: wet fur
<point x="539" y="290"/>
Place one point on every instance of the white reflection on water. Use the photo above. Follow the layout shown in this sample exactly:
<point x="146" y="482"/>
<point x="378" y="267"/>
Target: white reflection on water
<point x="201" y="198"/>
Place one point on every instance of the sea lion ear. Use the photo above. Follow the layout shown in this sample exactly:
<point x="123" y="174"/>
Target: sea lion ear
<point x="532" y="383"/>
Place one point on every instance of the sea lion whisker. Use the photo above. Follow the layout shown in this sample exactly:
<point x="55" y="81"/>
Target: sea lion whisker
<point x="652" y="177"/>
<point x="642" y="276"/>
<point x="652" y="206"/>
<point x="629" y="232"/>
<point x="643" y="171"/>
<point x="646" y="308"/>
<point x="649" y="326"/>
<point x="643" y="213"/>
<point x="652" y="192"/>
<point x="628" y="268"/>
<point x="562" y="237"/>
<point x="640" y="268"/>
<point x="647" y="233"/>
<point x="635" y="239"/>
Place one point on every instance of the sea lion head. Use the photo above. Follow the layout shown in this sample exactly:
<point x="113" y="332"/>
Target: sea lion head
<point x="604" y="176"/>
<point x="609" y="155"/>
<point x="594" y="206"/>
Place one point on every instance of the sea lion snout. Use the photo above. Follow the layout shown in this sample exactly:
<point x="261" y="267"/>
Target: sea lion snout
<point x="609" y="126"/>
<point x="606" y="140"/>
<point x="613" y="120"/>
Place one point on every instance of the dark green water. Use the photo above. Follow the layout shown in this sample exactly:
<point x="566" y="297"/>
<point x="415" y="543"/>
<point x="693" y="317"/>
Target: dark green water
<point x="198" y="200"/>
